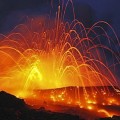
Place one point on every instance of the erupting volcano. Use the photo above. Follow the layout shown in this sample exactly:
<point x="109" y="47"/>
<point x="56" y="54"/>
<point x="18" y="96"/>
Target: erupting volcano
<point x="50" y="62"/>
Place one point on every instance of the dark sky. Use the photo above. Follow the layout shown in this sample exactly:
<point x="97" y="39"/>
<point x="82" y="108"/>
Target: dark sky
<point x="12" y="12"/>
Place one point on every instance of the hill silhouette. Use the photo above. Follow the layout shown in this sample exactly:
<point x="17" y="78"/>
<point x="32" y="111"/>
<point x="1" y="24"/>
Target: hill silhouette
<point x="13" y="108"/>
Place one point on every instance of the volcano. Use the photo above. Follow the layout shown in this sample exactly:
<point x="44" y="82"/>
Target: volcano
<point x="14" y="108"/>
<point x="54" y="65"/>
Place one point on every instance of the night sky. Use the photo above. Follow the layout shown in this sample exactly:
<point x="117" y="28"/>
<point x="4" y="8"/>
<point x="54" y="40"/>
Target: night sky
<point x="14" y="12"/>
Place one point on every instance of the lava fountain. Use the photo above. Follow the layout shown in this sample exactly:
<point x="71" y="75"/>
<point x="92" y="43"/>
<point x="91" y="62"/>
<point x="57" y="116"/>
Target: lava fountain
<point x="55" y="61"/>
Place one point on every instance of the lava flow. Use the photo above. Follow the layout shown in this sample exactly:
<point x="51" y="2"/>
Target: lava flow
<point x="52" y="62"/>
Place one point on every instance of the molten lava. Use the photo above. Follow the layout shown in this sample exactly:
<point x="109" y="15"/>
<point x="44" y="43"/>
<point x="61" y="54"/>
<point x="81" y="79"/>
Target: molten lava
<point x="39" y="57"/>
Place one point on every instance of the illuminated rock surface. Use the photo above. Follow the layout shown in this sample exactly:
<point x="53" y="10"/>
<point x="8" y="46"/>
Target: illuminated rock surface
<point x="12" y="108"/>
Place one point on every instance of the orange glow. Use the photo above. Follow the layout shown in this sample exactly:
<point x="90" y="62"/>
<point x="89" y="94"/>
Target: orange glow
<point x="106" y="113"/>
<point x="90" y="107"/>
<point x="46" y="62"/>
<point x="53" y="62"/>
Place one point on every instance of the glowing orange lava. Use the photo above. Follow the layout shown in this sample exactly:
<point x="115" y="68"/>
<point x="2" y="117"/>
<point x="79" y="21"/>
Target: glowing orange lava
<point x="43" y="55"/>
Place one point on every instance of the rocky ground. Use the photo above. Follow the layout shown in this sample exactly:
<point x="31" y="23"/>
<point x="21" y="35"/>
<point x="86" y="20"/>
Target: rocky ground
<point x="12" y="108"/>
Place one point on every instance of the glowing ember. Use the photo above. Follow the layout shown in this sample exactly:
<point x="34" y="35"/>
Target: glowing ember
<point x="39" y="57"/>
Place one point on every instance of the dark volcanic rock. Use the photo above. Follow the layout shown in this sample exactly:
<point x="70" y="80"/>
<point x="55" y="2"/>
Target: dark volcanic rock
<point x="10" y="101"/>
<point x="12" y="108"/>
<point x="111" y="118"/>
